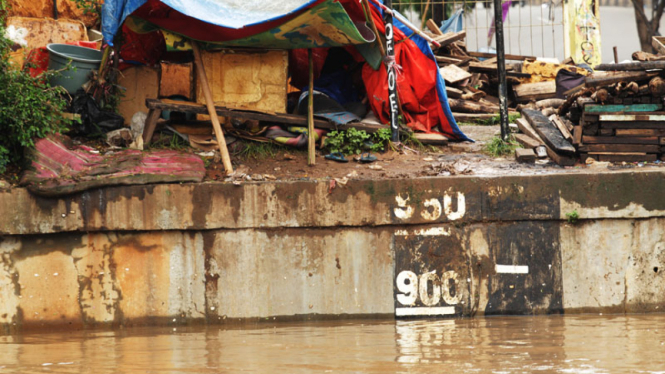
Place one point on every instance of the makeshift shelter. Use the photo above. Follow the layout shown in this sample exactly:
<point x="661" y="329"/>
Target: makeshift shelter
<point x="297" y="24"/>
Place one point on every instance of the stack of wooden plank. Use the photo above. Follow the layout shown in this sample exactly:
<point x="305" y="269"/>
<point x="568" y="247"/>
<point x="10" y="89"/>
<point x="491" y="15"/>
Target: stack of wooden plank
<point x="621" y="133"/>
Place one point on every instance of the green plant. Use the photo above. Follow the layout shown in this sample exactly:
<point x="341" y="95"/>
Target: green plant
<point x="381" y="140"/>
<point x="497" y="147"/>
<point x="90" y="7"/>
<point x="351" y="141"/>
<point x="573" y="217"/>
<point x="512" y="117"/>
<point x="29" y="108"/>
<point x="259" y="151"/>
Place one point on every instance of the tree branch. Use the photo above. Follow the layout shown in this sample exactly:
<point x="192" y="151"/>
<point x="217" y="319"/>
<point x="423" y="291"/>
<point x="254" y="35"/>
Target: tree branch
<point x="655" y="22"/>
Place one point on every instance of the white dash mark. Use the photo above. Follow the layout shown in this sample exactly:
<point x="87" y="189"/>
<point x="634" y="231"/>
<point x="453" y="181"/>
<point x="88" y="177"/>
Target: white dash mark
<point x="512" y="269"/>
<point x="436" y="311"/>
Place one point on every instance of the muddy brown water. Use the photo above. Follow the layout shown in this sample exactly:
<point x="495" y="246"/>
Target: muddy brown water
<point x="546" y="344"/>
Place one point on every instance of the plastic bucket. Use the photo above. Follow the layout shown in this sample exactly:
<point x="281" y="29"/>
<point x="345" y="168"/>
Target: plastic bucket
<point x="82" y="60"/>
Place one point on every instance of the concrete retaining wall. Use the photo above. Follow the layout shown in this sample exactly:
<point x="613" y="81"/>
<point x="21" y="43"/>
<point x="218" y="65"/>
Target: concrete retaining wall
<point x="174" y="254"/>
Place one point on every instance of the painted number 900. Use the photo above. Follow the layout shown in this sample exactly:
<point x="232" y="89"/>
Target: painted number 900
<point x="428" y="287"/>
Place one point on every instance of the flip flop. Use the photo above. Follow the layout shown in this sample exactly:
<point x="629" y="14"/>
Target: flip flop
<point x="336" y="156"/>
<point x="366" y="158"/>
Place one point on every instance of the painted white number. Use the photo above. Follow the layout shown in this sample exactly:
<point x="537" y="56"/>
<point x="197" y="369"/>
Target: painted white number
<point x="432" y="209"/>
<point x="407" y="283"/>
<point x="413" y="287"/>
<point x="425" y="280"/>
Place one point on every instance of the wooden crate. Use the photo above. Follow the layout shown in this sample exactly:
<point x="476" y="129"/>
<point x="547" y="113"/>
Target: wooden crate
<point x="250" y="80"/>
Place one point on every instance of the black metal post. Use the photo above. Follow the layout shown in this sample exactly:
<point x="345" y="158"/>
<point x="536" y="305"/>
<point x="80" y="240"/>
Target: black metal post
<point x="392" y="74"/>
<point x="501" y="67"/>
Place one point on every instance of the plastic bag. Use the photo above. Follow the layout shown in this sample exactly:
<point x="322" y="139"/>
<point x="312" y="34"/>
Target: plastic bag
<point x="94" y="121"/>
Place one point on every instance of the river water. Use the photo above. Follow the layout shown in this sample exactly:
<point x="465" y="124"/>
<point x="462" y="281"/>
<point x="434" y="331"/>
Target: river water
<point x="545" y="344"/>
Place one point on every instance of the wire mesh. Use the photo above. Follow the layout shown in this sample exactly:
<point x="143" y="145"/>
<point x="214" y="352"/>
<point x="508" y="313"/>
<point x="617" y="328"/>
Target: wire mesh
<point x="531" y="27"/>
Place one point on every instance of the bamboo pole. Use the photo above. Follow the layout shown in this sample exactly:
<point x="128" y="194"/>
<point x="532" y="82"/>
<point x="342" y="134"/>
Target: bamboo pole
<point x="422" y="21"/>
<point x="221" y="141"/>
<point x="311" y="142"/>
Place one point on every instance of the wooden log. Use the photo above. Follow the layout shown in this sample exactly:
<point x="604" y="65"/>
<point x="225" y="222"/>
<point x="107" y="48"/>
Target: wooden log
<point x="219" y="134"/>
<point x="549" y="103"/>
<point x="619" y="148"/>
<point x="608" y="78"/>
<point x="535" y="91"/>
<point x="471" y="107"/>
<point x="311" y="140"/>
<point x="632" y="66"/>
<point x="448" y="59"/>
<point x="473" y="116"/>
<point x="548" y="132"/>
<point x="150" y="124"/>
<point x="657" y="86"/>
<point x="620" y="140"/>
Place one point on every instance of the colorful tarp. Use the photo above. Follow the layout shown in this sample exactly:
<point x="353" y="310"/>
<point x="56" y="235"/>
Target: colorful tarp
<point x="311" y="25"/>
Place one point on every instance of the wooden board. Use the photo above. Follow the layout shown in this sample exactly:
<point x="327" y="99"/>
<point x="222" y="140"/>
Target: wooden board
<point x="177" y="79"/>
<point x="535" y="91"/>
<point x="431" y="139"/>
<point x="633" y="117"/>
<point x="292" y="119"/>
<point x="620" y="140"/>
<point x="526" y="141"/>
<point x="508" y="56"/>
<point x="595" y="108"/>
<point x="632" y="125"/>
<point x="453" y="92"/>
<point x="619" y="148"/>
<point x="623" y="156"/>
<point x="471" y="117"/>
<point x="577" y="135"/>
<point x="450" y="37"/>
<point x="142" y="83"/>
<point x="454" y="74"/>
<point x="431" y="25"/>
<point x="627" y="133"/>
<point x="658" y="44"/>
<point x="525" y="155"/>
<point x="246" y="80"/>
<point x="548" y="132"/>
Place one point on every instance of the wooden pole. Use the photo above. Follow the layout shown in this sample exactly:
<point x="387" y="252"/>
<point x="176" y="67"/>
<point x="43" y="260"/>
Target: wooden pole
<point x="221" y="141"/>
<point x="424" y="17"/>
<point x="311" y="141"/>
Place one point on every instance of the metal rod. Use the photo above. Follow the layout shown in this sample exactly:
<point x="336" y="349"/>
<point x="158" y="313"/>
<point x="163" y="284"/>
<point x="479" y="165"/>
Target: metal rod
<point x="392" y="74"/>
<point x="387" y="9"/>
<point x="501" y="67"/>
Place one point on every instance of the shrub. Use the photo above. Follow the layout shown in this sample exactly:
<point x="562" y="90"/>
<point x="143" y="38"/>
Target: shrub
<point x="29" y="108"/>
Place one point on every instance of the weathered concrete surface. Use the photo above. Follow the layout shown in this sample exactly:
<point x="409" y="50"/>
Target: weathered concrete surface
<point x="209" y="206"/>
<point x="173" y="254"/>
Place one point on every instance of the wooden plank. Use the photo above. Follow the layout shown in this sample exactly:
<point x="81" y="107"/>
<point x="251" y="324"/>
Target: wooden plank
<point x="562" y="127"/>
<point x="535" y="91"/>
<point x="473" y="116"/>
<point x="526" y="141"/>
<point x="527" y="129"/>
<point x="662" y="141"/>
<point x="596" y="108"/>
<point x="177" y="79"/>
<point x="141" y="83"/>
<point x="454" y="74"/>
<point x="658" y="44"/>
<point x="449" y="38"/>
<point x="627" y="133"/>
<point x="431" y="25"/>
<point x="525" y="155"/>
<point x="633" y="117"/>
<point x="448" y="59"/>
<point x="606" y="132"/>
<point x="619" y="148"/>
<point x="548" y="132"/>
<point x="624" y="157"/>
<point x="632" y="125"/>
<point x="453" y="92"/>
<point x="620" y="140"/>
<point x="431" y="139"/>
<point x="291" y="119"/>
<point x="577" y="135"/>
<point x="508" y="56"/>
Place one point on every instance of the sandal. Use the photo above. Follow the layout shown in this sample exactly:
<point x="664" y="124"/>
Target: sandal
<point x="336" y="156"/>
<point x="366" y="158"/>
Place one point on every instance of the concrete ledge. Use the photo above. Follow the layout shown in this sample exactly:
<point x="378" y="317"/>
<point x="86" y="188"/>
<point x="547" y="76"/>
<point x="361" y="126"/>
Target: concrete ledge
<point x="209" y="206"/>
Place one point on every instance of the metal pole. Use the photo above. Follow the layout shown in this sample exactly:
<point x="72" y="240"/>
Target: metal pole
<point x="392" y="74"/>
<point x="501" y="67"/>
